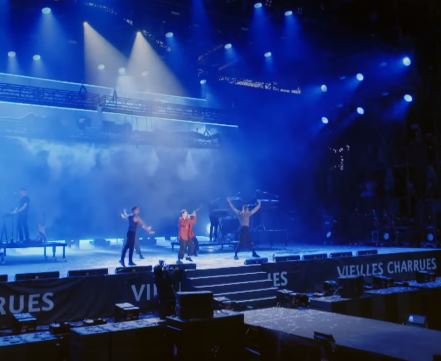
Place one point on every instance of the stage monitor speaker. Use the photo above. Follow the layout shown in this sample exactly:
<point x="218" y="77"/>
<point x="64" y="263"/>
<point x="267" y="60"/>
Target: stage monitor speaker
<point x="287" y="258"/>
<point x="36" y="276"/>
<point x="256" y="260"/>
<point x="88" y="272"/>
<point x="330" y="287"/>
<point x="195" y="304"/>
<point x="340" y="254"/>
<point x="3" y="278"/>
<point x="135" y="269"/>
<point x="416" y="320"/>
<point x="182" y="266"/>
<point x="367" y="252"/>
<point x="317" y="256"/>
<point x="425" y="276"/>
<point x="351" y="286"/>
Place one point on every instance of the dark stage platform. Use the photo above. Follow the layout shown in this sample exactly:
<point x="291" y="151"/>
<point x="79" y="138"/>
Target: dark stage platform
<point x="286" y="331"/>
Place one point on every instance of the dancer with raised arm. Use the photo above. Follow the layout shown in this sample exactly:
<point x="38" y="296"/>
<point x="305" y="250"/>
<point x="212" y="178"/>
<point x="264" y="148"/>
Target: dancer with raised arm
<point x="134" y="220"/>
<point x="186" y="235"/>
<point x="244" y="216"/>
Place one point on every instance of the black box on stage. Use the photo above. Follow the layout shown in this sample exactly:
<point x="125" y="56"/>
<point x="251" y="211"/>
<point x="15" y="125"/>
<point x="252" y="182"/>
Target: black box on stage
<point x="351" y="286"/>
<point x="24" y="322"/>
<point x="287" y="258"/>
<point x="135" y="269"/>
<point x="425" y="276"/>
<point x="309" y="257"/>
<point x="88" y="272"/>
<point x="126" y="312"/>
<point x="36" y="276"/>
<point x="367" y="252"/>
<point x="3" y="278"/>
<point x="340" y="254"/>
<point x="197" y="304"/>
<point x="256" y="260"/>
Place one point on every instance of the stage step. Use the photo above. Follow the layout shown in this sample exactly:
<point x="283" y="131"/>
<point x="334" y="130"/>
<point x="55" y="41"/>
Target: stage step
<point x="259" y="302"/>
<point x="236" y="286"/>
<point x="247" y="286"/>
<point x="248" y="294"/>
<point x="223" y="271"/>
<point x="232" y="278"/>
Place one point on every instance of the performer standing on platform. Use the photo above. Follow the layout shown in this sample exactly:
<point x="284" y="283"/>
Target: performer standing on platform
<point x="22" y="215"/>
<point x="244" y="233"/>
<point x="134" y="220"/>
<point x="187" y="237"/>
<point x="214" y="219"/>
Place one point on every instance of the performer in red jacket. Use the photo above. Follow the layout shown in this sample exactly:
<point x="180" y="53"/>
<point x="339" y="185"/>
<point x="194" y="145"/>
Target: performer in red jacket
<point x="186" y="235"/>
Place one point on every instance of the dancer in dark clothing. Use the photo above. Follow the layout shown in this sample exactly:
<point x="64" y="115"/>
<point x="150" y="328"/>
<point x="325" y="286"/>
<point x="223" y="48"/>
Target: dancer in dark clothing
<point x="244" y="216"/>
<point x="134" y="220"/>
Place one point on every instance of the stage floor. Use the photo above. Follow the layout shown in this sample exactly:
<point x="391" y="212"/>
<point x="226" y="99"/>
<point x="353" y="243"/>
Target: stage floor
<point x="88" y="256"/>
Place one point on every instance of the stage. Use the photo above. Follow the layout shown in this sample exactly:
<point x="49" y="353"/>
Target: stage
<point x="86" y="256"/>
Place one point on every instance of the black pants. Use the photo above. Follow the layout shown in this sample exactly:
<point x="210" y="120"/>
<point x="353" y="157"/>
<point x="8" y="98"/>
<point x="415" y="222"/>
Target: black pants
<point x="244" y="240"/>
<point x="214" y="227"/>
<point x="22" y="228"/>
<point x="186" y="246"/>
<point x="129" y="245"/>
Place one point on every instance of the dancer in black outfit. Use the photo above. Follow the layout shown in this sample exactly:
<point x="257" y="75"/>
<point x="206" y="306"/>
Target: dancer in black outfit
<point x="22" y="216"/>
<point x="134" y="220"/>
<point x="244" y="216"/>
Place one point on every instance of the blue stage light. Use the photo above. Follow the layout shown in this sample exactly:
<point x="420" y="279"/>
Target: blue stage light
<point x="325" y="120"/>
<point x="430" y="237"/>
<point x="101" y="67"/>
<point x="408" y="98"/>
<point x="360" y="77"/>
<point x="324" y="88"/>
<point x="12" y="54"/>
<point x="228" y="46"/>
<point x="288" y="13"/>
<point x="386" y="236"/>
<point x="268" y="54"/>
<point x="46" y="11"/>
<point x="360" y="110"/>
<point x="36" y="57"/>
<point x="169" y="35"/>
<point x="257" y="5"/>
<point x="144" y="73"/>
<point x="203" y="81"/>
<point x="406" y="61"/>
<point x="122" y="71"/>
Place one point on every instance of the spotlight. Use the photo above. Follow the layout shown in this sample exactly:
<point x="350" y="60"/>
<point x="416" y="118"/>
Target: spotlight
<point x="46" y="11"/>
<point x="360" y="77"/>
<point x="329" y="233"/>
<point x="169" y="35"/>
<point x="203" y="81"/>
<point x="36" y="57"/>
<point x="386" y="236"/>
<point x="324" y="88"/>
<point x="145" y="73"/>
<point x="101" y="67"/>
<point x="228" y="46"/>
<point x="122" y="71"/>
<point x="288" y="13"/>
<point x="12" y="54"/>
<point x="325" y="120"/>
<point x="406" y="61"/>
<point x="408" y="98"/>
<point x="257" y="5"/>
<point x="430" y="237"/>
<point x="360" y="110"/>
<point x="268" y="54"/>
<point x="85" y="23"/>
